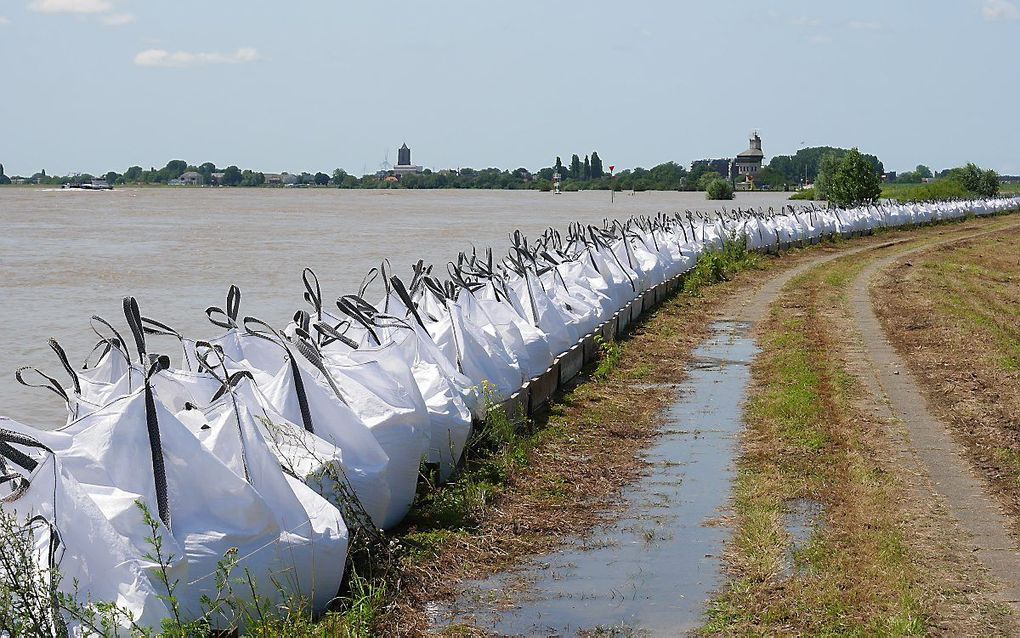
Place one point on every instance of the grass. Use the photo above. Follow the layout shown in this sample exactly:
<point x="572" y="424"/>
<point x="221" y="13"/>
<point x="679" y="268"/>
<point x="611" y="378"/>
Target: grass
<point x="939" y="190"/>
<point x="715" y="266"/>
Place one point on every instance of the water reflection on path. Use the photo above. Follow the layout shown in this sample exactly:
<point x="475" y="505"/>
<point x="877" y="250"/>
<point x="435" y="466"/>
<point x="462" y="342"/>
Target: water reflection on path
<point x="651" y="572"/>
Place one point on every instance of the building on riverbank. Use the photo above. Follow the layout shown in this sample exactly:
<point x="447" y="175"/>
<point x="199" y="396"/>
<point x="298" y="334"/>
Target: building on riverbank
<point x="748" y="163"/>
<point x="404" y="165"/>
<point x="188" y="178"/>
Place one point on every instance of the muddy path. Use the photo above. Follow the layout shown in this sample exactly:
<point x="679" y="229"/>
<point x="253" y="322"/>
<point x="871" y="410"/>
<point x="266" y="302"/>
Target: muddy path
<point x="978" y="515"/>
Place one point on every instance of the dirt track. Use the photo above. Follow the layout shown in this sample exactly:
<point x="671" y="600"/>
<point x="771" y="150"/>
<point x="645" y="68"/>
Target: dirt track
<point x="979" y="517"/>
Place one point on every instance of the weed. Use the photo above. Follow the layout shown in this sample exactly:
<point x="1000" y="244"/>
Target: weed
<point x="609" y="357"/>
<point x="717" y="265"/>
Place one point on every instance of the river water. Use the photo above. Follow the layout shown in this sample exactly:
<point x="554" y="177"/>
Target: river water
<point x="66" y="255"/>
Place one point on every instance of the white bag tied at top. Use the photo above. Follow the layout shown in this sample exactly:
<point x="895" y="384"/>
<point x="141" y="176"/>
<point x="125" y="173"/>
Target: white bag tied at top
<point x="70" y="535"/>
<point x="304" y="394"/>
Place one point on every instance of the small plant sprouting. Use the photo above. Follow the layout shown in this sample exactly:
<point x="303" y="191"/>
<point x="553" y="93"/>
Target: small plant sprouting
<point x="610" y="354"/>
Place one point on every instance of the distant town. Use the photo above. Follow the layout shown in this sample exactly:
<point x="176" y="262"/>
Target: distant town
<point x="747" y="170"/>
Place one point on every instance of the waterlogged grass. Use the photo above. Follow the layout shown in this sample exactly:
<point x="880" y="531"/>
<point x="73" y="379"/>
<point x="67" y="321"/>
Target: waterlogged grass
<point x="806" y="440"/>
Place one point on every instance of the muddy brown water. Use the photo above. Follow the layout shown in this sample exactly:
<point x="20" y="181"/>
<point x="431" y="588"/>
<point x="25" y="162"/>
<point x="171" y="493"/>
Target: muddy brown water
<point x="65" y="255"/>
<point x="653" y="569"/>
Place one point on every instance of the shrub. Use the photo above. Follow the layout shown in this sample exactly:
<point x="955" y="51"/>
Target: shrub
<point x="719" y="189"/>
<point x="854" y="181"/>
<point x="807" y="193"/>
<point x="719" y="265"/>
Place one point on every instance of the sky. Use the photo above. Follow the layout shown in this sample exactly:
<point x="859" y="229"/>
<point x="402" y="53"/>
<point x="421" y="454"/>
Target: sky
<point x="95" y="85"/>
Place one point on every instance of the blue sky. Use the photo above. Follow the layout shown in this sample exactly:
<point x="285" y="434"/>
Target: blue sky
<point x="90" y="85"/>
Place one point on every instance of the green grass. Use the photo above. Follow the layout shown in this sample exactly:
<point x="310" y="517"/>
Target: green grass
<point x="719" y="265"/>
<point x="792" y="400"/>
<point x="807" y="193"/>
<point x="939" y="190"/>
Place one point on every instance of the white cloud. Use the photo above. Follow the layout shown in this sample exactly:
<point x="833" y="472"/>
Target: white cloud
<point x="70" y="6"/>
<point x="805" y="21"/>
<point x="4" y="21"/>
<point x="164" y="58"/>
<point x="118" y="19"/>
<point x="864" y="26"/>
<point x="820" y="39"/>
<point x="1000" y="10"/>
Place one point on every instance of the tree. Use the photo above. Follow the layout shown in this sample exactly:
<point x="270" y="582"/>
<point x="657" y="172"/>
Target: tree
<point x="133" y="174"/>
<point x="806" y="163"/>
<point x="596" y="166"/>
<point x="989" y="184"/>
<point x="231" y="176"/>
<point x="112" y="177"/>
<point x="321" y="179"/>
<point x="587" y="168"/>
<point x="575" y="166"/>
<point x="706" y="179"/>
<point x="771" y="178"/>
<point x="338" y="176"/>
<point x="558" y="167"/>
<point x="174" y="169"/>
<point x="667" y="176"/>
<point x="984" y="183"/>
<point x="854" y="182"/>
<point x="826" y="169"/>
<point x="922" y="171"/>
<point x="719" y="189"/>
<point x="206" y="170"/>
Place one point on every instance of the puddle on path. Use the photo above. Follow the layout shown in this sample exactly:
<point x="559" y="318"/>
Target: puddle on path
<point x="651" y="572"/>
<point x="802" y="517"/>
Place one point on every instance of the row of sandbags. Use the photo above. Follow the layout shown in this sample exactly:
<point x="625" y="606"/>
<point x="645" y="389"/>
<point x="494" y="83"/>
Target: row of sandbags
<point x="265" y="444"/>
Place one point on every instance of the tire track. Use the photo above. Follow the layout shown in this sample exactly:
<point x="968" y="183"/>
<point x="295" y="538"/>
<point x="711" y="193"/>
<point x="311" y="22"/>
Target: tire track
<point x="978" y="515"/>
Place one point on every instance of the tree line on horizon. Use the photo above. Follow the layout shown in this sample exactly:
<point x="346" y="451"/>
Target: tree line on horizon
<point x="783" y="172"/>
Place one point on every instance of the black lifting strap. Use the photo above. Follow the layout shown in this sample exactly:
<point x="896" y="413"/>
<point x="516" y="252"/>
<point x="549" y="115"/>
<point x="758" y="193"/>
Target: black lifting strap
<point x="156" y="445"/>
<point x="16" y="456"/>
<point x="305" y="346"/>
<point x="313" y="292"/>
<point x="328" y="334"/>
<point x="59" y="351"/>
<point x="295" y="369"/>
<point x="230" y="314"/>
<point x="398" y="287"/>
